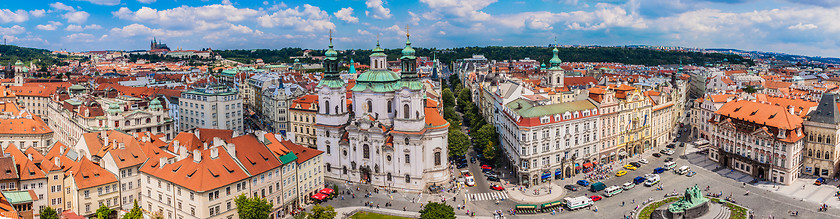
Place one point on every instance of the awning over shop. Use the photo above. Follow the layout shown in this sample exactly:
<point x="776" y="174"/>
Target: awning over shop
<point x="578" y="167"/>
<point x="558" y="172"/>
<point x="587" y="165"/>
<point x="319" y="196"/>
<point x="326" y="191"/>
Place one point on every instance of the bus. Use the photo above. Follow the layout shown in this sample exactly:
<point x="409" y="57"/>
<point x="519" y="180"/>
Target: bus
<point x="651" y="179"/>
<point x="577" y="202"/>
<point x="612" y="190"/>
<point x="670" y="165"/>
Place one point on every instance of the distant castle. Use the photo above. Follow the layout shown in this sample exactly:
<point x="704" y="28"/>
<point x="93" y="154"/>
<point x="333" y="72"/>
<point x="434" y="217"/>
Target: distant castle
<point x="156" y="45"/>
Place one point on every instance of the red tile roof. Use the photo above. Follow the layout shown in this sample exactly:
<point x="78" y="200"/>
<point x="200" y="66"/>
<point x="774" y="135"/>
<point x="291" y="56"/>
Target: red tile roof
<point x="254" y="155"/>
<point x="87" y="174"/>
<point x="303" y="153"/>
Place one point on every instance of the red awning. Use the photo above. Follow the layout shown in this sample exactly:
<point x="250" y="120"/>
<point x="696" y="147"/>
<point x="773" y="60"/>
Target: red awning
<point x="319" y="196"/>
<point x="587" y="165"/>
<point x="594" y="162"/>
<point x="577" y="167"/>
<point x="326" y="191"/>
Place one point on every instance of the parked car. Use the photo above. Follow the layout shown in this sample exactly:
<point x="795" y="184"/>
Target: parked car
<point x="691" y="173"/>
<point x="462" y="165"/>
<point x="472" y="160"/>
<point x="497" y="188"/>
<point x="638" y="179"/>
<point x="636" y="164"/>
<point x="595" y="198"/>
<point x="682" y="144"/>
<point x="621" y="173"/>
<point x="670" y="146"/>
<point x="486" y="167"/>
<point x="583" y="182"/>
<point x="659" y="170"/>
<point x="570" y="187"/>
<point x="629" y="167"/>
<point x="669" y="159"/>
<point x="643" y="161"/>
<point x="668" y="152"/>
<point x="656" y="155"/>
<point x="493" y="178"/>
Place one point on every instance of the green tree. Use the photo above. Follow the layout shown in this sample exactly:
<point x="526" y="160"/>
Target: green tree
<point x="750" y="89"/>
<point x="490" y="151"/>
<point x="464" y="98"/>
<point x="103" y="212"/>
<point x="252" y="208"/>
<point x="435" y="210"/>
<point x="485" y="135"/>
<point x="48" y="213"/>
<point x="134" y="213"/>
<point x="450" y="114"/>
<point x="458" y="142"/>
<point x="320" y="212"/>
<point x="448" y="97"/>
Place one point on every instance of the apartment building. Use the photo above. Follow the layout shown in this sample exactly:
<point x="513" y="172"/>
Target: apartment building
<point x="212" y="107"/>
<point x="90" y="186"/>
<point x="303" y="112"/>
<point x="32" y="178"/>
<point x="823" y="142"/>
<point x="23" y="128"/>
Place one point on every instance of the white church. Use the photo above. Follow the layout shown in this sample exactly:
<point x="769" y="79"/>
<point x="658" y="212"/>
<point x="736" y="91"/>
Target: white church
<point x="391" y="134"/>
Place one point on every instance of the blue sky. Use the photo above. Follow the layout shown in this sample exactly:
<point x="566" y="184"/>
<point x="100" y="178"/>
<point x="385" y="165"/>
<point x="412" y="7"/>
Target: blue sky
<point x="807" y="27"/>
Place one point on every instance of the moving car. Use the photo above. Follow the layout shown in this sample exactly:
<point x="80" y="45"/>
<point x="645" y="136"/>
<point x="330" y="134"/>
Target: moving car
<point x="691" y="173"/>
<point x="651" y="179"/>
<point x="669" y="159"/>
<point x="629" y="167"/>
<point x="470" y="181"/>
<point x="497" y="188"/>
<point x="656" y="155"/>
<point x="598" y="186"/>
<point x="570" y="187"/>
<point x="596" y="198"/>
<point x="472" y="160"/>
<point x="620" y="173"/>
<point x="486" y="167"/>
<point x="493" y="178"/>
<point x="583" y="182"/>
<point x="643" y="161"/>
<point x="819" y="181"/>
<point x="462" y="165"/>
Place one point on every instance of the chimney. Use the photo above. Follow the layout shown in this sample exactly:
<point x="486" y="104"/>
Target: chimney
<point x="116" y="145"/>
<point x="29" y="156"/>
<point x="197" y="134"/>
<point x="175" y="144"/>
<point x="182" y="152"/>
<point x="214" y="153"/>
<point x="135" y="135"/>
<point x="205" y="146"/>
<point x="122" y="145"/>
<point x="57" y="162"/>
<point x="104" y="135"/>
<point x="790" y="108"/>
<point x="162" y="162"/>
<point x="197" y="155"/>
<point x="61" y="150"/>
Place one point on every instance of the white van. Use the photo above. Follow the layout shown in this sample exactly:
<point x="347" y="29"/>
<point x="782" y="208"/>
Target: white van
<point x="670" y="165"/>
<point x="577" y="202"/>
<point x="628" y="185"/>
<point x="651" y="179"/>
<point x="612" y="190"/>
<point x="683" y="170"/>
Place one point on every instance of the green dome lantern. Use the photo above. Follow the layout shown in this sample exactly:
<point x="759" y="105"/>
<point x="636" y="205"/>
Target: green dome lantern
<point x="408" y="51"/>
<point x="331" y="54"/>
<point x="555" y="60"/>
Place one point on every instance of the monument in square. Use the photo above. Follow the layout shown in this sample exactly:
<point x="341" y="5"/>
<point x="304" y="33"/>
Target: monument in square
<point x="692" y="205"/>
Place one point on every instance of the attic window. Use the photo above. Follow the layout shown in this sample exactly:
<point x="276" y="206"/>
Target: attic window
<point x="8" y="171"/>
<point x="191" y="174"/>
<point x="753" y="113"/>
<point x="176" y="169"/>
<point x="263" y="157"/>
<point x="739" y="108"/>
<point x="229" y="170"/>
<point x="213" y="174"/>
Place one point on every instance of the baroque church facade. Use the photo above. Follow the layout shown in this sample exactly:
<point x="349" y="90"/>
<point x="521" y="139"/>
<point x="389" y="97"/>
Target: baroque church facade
<point x="385" y="133"/>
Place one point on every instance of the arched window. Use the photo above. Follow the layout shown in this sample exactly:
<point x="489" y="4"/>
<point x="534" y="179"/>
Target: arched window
<point x="328" y="150"/>
<point x="127" y="123"/>
<point x="389" y="176"/>
<point x="366" y="151"/>
<point x="336" y="109"/>
<point x="148" y="120"/>
<point x="327" y="107"/>
<point x="437" y="158"/>
<point x="818" y="154"/>
<point x="369" y="106"/>
<point x="390" y="108"/>
<point x="344" y="169"/>
<point x="405" y="111"/>
<point x="406" y="141"/>
<point x="353" y="165"/>
<point x="329" y="167"/>
<point x="810" y="152"/>
<point x="827" y="155"/>
<point x="407" y="178"/>
<point x="376" y="168"/>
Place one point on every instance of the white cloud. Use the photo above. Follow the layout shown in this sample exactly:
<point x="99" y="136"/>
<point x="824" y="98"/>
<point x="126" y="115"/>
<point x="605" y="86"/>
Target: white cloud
<point x="226" y="2"/>
<point x="58" y="6"/>
<point x="80" y="37"/>
<point x="186" y="16"/>
<point x="377" y="10"/>
<point x="310" y="19"/>
<point x="52" y="25"/>
<point x="78" y="17"/>
<point x="38" y="13"/>
<point x="363" y="32"/>
<point x="346" y="15"/>
<point x="415" y="19"/>
<point x="800" y="26"/>
<point x="467" y="9"/>
<point x="18" y="16"/>
<point x="79" y="28"/>
<point x="13" y="30"/>
<point x="147" y="1"/>
<point x="104" y="2"/>
<point x="141" y="30"/>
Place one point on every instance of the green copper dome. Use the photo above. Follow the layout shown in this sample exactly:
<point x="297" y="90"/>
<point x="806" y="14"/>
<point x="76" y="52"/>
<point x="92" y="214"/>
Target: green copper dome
<point x="408" y="51"/>
<point x="555" y="60"/>
<point x="331" y="53"/>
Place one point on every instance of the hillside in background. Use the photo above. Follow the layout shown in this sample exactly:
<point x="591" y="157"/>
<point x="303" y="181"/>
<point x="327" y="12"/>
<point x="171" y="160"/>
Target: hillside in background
<point x="634" y="56"/>
<point x="41" y="57"/>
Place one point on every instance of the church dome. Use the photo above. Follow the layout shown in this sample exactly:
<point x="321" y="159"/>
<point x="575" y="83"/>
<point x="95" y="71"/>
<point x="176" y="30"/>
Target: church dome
<point x="555" y="60"/>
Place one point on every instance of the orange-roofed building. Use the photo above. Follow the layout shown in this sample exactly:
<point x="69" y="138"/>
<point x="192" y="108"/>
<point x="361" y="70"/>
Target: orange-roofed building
<point x="310" y="172"/>
<point x="119" y="153"/>
<point x="302" y="116"/>
<point x="703" y="109"/>
<point x="821" y="143"/>
<point x="90" y="185"/>
<point x="762" y="140"/>
<point x="32" y="178"/>
<point x="25" y="130"/>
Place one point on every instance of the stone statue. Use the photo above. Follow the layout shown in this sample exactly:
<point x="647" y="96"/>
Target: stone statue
<point x="692" y="197"/>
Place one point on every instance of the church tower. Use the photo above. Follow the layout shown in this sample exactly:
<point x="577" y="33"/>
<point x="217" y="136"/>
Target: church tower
<point x="554" y="73"/>
<point x="409" y="97"/>
<point x="332" y="104"/>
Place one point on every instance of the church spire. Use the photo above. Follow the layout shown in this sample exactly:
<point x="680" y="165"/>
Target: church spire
<point x="409" y="61"/>
<point x="331" y="74"/>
